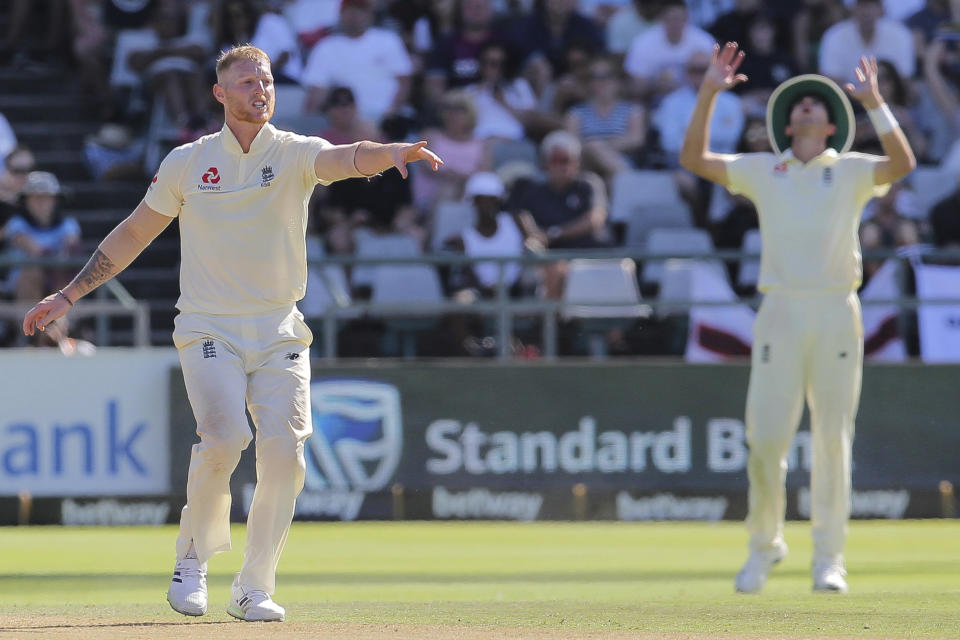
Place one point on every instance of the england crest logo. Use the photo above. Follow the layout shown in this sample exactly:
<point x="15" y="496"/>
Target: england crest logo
<point x="357" y="436"/>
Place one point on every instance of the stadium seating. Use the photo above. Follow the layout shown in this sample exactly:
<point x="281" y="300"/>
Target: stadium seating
<point x="409" y="285"/>
<point x="673" y="241"/>
<point x="930" y="186"/>
<point x="289" y="100"/>
<point x="675" y="285"/>
<point x="372" y="245"/>
<point x="289" y="115"/>
<point x="326" y="284"/>
<point x="749" y="272"/>
<point x="645" y="200"/>
<point x="602" y="294"/>
<point x="450" y="217"/>
<point x="507" y="151"/>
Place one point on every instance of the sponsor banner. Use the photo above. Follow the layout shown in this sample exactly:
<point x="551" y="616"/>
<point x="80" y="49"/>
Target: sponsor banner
<point x="87" y="511"/>
<point x="114" y="512"/>
<point x="485" y="504"/>
<point x="590" y="440"/>
<point x="91" y="426"/>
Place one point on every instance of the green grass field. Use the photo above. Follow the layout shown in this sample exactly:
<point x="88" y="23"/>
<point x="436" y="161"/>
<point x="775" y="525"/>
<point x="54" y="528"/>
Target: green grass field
<point x="446" y="580"/>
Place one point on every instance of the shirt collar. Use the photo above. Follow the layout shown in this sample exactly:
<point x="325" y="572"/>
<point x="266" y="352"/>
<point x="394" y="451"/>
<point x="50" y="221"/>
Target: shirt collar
<point x="263" y="138"/>
<point x="829" y="152"/>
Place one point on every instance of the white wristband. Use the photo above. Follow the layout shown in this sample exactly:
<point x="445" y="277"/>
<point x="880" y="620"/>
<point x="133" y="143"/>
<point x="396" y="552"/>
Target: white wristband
<point x="882" y="119"/>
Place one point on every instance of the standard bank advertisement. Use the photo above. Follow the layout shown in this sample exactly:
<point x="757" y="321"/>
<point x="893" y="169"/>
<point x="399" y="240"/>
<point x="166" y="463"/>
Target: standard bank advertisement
<point x="85" y="426"/>
<point x="588" y="440"/>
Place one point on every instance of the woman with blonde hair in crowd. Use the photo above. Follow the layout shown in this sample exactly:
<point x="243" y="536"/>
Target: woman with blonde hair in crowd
<point x="463" y="153"/>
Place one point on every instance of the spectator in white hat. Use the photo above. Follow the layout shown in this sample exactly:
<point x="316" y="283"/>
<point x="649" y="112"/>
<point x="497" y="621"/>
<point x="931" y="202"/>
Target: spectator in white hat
<point x="42" y="232"/>
<point x="494" y="233"/>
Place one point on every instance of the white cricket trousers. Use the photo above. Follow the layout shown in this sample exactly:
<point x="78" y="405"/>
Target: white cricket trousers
<point x="806" y="345"/>
<point x="261" y="362"/>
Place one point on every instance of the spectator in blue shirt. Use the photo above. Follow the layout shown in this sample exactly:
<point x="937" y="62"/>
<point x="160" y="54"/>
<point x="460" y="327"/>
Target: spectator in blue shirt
<point x="40" y="232"/>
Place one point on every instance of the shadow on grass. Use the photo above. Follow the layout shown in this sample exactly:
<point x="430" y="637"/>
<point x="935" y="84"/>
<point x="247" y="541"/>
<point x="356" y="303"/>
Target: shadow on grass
<point x="111" y="625"/>
<point x="373" y="577"/>
<point x="9" y="581"/>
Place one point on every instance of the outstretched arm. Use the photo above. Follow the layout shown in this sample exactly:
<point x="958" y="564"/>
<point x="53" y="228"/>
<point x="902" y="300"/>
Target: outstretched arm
<point x="695" y="155"/>
<point x="899" y="159"/>
<point x="364" y="159"/>
<point x="114" y="254"/>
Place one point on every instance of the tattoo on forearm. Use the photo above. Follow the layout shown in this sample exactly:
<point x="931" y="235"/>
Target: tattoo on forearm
<point x="99" y="269"/>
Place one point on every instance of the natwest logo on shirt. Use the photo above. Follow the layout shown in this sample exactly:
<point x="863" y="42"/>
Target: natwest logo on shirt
<point x="780" y="169"/>
<point x="210" y="178"/>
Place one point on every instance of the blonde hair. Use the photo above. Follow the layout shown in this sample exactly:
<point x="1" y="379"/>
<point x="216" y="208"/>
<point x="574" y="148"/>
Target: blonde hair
<point x="462" y="99"/>
<point x="241" y="52"/>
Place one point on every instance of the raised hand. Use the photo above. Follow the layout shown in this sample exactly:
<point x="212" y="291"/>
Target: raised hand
<point x="865" y="89"/>
<point x="722" y="72"/>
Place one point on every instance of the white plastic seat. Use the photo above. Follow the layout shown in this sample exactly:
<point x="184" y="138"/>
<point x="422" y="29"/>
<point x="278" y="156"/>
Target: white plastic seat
<point x="673" y="241"/>
<point x="410" y="287"/>
<point x="289" y="100"/>
<point x="371" y="245"/>
<point x="506" y="151"/>
<point x="675" y="285"/>
<point x="450" y="218"/>
<point x="930" y="186"/>
<point x="413" y="283"/>
<point x="645" y="200"/>
<point x="327" y="284"/>
<point x="602" y="289"/>
<point x="749" y="272"/>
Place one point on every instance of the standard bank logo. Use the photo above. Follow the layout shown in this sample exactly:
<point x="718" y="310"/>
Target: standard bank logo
<point x="355" y="447"/>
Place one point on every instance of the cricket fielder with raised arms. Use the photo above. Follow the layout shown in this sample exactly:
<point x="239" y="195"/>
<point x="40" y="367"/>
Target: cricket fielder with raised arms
<point x="241" y="196"/>
<point x="808" y="334"/>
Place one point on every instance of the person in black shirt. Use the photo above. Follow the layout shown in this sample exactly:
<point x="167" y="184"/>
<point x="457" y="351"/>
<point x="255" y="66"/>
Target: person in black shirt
<point x="945" y="221"/>
<point x="566" y="210"/>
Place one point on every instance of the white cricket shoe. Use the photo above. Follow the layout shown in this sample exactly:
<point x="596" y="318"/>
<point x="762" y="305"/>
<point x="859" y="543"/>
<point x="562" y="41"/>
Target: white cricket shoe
<point x="753" y="574"/>
<point x="830" y="577"/>
<point x="252" y="605"/>
<point x="188" y="588"/>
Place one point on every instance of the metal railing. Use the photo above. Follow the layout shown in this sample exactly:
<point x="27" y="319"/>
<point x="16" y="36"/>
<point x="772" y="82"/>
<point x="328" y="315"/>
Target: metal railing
<point x="506" y="309"/>
<point x="501" y="307"/>
<point x="101" y="307"/>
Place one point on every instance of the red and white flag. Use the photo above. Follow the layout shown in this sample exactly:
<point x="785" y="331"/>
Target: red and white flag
<point x="717" y="333"/>
<point x="882" y="341"/>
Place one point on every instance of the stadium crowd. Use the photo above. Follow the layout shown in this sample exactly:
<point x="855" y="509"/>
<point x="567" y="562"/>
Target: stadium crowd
<point x="549" y="114"/>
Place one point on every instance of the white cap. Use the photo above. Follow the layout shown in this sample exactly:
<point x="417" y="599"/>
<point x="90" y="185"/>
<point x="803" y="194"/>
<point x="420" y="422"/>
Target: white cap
<point x="484" y="183"/>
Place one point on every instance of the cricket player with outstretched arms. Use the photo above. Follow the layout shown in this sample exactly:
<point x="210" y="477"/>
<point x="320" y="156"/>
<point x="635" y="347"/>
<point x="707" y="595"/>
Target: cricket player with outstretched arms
<point x="808" y="335"/>
<point x="241" y="196"/>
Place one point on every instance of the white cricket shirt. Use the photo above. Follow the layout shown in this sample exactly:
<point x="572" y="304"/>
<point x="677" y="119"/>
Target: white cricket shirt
<point x="809" y="216"/>
<point x="243" y="219"/>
